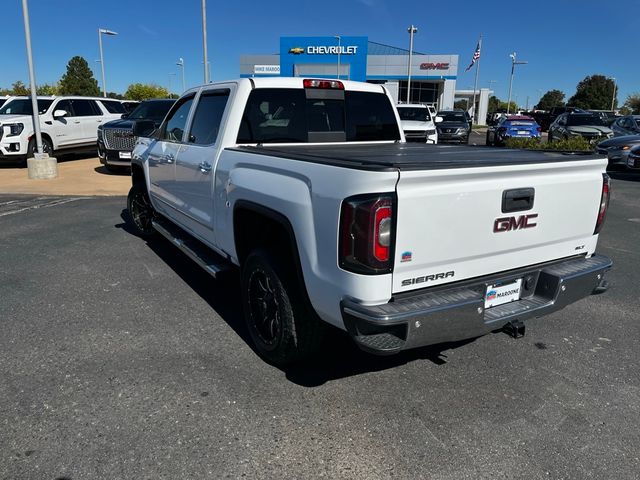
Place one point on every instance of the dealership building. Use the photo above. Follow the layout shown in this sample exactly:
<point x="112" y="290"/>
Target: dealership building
<point x="433" y="77"/>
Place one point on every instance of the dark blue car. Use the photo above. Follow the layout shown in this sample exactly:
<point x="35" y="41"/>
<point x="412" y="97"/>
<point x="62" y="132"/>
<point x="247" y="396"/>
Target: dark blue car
<point x="512" y="126"/>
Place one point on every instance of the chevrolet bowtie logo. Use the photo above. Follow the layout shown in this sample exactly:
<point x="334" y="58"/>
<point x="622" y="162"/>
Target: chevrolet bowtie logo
<point x="296" y="50"/>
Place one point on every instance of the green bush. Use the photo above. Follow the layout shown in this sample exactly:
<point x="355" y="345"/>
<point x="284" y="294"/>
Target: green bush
<point x="572" y="144"/>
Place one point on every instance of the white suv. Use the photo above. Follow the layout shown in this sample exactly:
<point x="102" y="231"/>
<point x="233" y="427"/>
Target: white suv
<point x="418" y="123"/>
<point x="68" y="124"/>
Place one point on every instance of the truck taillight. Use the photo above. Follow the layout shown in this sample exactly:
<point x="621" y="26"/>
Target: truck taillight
<point x="604" y="202"/>
<point x="324" y="84"/>
<point x="366" y="234"/>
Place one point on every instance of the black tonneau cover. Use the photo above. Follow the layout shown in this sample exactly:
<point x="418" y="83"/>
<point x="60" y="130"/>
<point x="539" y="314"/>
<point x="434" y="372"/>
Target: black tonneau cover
<point x="411" y="156"/>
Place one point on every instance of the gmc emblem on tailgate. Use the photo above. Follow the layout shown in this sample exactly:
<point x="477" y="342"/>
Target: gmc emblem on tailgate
<point x="506" y="224"/>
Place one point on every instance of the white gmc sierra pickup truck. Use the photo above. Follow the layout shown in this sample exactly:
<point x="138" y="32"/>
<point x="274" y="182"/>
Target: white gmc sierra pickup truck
<point x="308" y="186"/>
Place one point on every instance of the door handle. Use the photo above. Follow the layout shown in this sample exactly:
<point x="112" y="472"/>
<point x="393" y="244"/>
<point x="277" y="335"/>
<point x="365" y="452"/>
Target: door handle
<point x="169" y="158"/>
<point x="205" y="167"/>
<point x="99" y="121"/>
<point x="76" y="121"/>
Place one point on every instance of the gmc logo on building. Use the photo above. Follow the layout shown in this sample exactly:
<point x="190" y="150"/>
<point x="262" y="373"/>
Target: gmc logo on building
<point x="506" y="224"/>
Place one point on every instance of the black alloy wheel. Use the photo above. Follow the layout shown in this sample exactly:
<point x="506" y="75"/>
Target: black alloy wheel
<point x="283" y="327"/>
<point x="141" y="211"/>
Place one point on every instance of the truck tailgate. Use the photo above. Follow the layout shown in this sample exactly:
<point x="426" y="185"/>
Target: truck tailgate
<point x="451" y="225"/>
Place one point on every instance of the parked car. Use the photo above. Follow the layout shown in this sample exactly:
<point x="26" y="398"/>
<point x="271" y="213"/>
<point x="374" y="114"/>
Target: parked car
<point x="585" y="125"/>
<point x="607" y="116"/>
<point x="129" y="105"/>
<point x="629" y="125"/>
<point x="331" y="217"/>
<point x="116" y="139"/>
<point x="454" y="127"/>
<point x="513" y="126"/>
<point x="617" y="148"/>
<point x="3" y="100"/>
<point x="417" y="123"/>
<point x="68" y="124"/>
<point x="633" y="160"/>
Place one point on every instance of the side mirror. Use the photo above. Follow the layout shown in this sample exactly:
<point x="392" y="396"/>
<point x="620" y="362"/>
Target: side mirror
<point x="124" y="115"/>
<point x="438" y="119"/>
<point x="144" y="128"/>
<point x="60" y="113"/>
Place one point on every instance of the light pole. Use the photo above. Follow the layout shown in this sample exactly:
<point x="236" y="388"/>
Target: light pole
<point x="514" y="62"/>
<point x="103" y="31"/>
<point x="180" y="63"/>
<point x="339" y="38"/>
<point x="204" y="41"/>
<point x="41" y="166"/>
<point x="412" y="30"/>
<point x="171" y="74"/>
<point x="613" y="98"/>
<point x="539" y="90"/>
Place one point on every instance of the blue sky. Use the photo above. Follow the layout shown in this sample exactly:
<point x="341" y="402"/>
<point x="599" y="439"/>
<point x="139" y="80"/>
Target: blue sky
<point x="563" y="40"/>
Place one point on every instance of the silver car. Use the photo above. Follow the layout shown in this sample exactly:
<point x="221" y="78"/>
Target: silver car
<point x="585" y="125"/>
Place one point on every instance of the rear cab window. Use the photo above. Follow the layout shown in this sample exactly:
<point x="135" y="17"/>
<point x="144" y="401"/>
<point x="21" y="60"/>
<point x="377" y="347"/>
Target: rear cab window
<point x="280" y="115"/>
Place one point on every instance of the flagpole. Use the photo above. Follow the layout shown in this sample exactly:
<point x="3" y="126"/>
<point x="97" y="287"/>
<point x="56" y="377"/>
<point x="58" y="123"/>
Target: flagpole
<point x="475" y="85"/>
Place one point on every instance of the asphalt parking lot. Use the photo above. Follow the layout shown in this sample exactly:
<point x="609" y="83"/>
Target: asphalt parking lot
<point x="122" y="359"/>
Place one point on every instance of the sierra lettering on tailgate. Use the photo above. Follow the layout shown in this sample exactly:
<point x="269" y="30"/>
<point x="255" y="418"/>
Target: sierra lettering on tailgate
<point x="428" y="278"/>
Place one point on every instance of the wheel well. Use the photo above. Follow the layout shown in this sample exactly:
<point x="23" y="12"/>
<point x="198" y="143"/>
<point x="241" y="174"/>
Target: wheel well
<point x="137" y="174"/>
<point x="255" y="227"/>
<point x="44" y="136"/>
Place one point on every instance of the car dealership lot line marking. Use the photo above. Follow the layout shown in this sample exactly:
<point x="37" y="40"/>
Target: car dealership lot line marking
<point x="32" y="204"/>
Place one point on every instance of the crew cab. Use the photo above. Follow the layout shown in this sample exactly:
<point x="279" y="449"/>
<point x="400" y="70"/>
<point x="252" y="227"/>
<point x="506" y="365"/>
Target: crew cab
<point x="68" y="124"/>
<point x="308" y="187"/>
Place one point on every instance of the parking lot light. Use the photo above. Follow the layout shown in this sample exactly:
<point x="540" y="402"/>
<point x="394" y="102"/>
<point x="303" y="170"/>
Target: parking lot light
<point x="103" y="31"/>
<point x="613" y="97"/>
<point x="514" y="62"/>
<point x="41" y="166"/>
<point x="180" y="63"/>
<point x="412" y="30"/>
<point x="339" y="38"/>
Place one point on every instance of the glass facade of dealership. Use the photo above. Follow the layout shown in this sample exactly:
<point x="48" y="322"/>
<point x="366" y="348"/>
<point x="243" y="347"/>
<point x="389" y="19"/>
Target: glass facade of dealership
<point x="433" y="77"/>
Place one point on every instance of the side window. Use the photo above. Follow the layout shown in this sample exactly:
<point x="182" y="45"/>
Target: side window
<point x="112" y="106"/>
<point x="177" y="120"/>
<point x="66" y="106"/>
<point x="207" y="118"/>
<point x="85" y="108"/>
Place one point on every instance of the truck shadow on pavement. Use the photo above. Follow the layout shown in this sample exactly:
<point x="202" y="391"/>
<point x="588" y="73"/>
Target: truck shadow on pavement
<point x="338" y="357"/>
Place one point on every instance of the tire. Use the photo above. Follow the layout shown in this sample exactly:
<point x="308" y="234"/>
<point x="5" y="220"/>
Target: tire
<point x="488" y="143"/>
<point x="549" y="138"/>
<point x="46" y="147"/>
<point x="283" y="327"/>
<point x="141" y="212"/>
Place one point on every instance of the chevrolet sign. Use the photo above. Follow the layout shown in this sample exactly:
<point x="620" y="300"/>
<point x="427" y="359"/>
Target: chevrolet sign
<point x="326" y="50"/>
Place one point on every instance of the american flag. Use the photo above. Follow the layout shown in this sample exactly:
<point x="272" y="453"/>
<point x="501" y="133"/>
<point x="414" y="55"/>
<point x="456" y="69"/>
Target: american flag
<point x="476" y="56"/>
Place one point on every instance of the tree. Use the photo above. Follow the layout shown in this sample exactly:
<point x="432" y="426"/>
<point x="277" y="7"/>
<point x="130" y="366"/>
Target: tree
<point x="47" y="89"/>
<point x="553" y="98"/>
<point x="494" y="104"/>
<point x="460" y="105"/>
<point x="78" y="79"/>
<point x="594" y="92"/>
<point x="115" y="95"/>
<point x="145" y="91"/>
<point x="19" y="88"/>
<point x="633" y="103"/>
